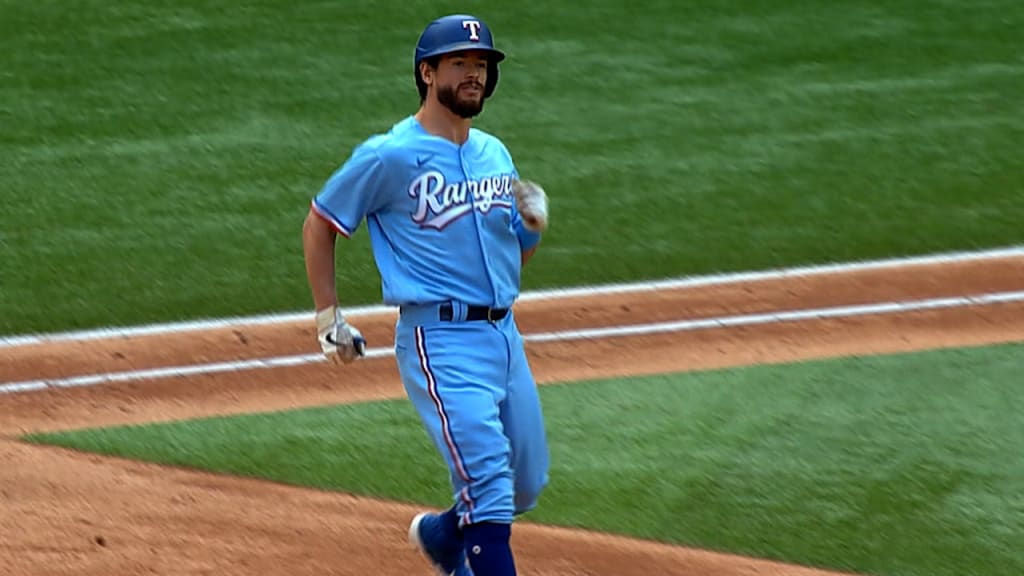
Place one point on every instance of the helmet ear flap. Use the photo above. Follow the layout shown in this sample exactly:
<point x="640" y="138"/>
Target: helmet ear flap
<point x="492" y="79"/>
<point x="421" y="86"/>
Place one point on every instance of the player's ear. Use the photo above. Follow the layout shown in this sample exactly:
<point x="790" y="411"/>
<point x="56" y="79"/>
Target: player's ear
<point x="427" y="73"/>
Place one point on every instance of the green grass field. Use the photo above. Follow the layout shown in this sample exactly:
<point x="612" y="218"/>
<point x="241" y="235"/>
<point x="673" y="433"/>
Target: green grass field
<point x="159" y="159"/>
<point x="858" y="464"/>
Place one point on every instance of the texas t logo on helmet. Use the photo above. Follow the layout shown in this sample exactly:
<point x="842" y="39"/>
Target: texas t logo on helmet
<point x="473" y="26"/>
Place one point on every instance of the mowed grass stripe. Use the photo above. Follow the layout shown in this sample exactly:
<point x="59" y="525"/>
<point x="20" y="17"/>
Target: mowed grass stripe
<point x="673" y="140"/>
<point x="890" y="465"/>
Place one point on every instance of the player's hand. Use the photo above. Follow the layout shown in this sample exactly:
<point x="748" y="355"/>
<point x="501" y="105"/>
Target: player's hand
<point x="339" y="340"/>
<point x="532" y="204"/>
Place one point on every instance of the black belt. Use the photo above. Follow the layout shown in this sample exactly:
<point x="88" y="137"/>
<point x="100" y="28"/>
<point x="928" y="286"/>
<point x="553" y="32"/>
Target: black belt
<point x="447" y="313"/>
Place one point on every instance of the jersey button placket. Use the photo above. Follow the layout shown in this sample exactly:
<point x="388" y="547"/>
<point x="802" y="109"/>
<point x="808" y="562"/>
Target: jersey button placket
<point x="475" y="214"/>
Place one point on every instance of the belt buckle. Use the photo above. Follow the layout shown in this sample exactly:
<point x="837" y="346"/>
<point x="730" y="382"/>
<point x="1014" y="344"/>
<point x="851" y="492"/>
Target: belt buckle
<point x="490" y="315"/>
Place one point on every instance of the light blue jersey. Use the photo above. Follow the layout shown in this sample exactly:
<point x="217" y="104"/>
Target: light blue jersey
<point x="441" y="217"/>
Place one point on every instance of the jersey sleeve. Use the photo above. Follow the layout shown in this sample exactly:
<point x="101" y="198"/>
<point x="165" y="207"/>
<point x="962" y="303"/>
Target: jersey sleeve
<point x="353" y="191"/>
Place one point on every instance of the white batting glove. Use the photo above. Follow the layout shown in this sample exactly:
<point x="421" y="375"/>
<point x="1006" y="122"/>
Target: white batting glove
<point x="532" y="204"/>
<point x="339" y="340"/>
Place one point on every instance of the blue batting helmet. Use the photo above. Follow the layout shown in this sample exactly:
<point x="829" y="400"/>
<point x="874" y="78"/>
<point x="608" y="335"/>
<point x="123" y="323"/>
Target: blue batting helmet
<point x="455" y="33"/>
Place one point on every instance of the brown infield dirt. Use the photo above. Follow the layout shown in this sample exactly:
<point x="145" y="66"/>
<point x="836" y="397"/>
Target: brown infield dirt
<point x="66" y="512"/>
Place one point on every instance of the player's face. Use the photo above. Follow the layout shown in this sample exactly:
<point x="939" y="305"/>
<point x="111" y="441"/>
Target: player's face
<point x="460" y="82"/>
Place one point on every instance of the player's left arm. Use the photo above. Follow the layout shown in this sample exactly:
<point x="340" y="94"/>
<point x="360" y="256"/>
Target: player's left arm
<point x="527" y="254"/>
<point x="529" y="240"/>
<point x="529" y="213"/>
<point x="529" y="217"/>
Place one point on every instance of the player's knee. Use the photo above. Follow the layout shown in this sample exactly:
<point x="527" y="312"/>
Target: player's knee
<point x="490" y="498"/>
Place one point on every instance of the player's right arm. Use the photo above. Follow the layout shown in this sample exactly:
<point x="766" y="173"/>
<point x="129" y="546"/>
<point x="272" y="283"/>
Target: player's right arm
<point x="318" y="243"/>
<point x="352" y="192"/>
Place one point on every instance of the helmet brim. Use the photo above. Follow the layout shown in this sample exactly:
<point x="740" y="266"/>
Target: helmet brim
<point x="493" y="54"/>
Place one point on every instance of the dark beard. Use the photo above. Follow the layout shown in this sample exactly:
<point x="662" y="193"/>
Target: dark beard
<point x="448" y="96"/>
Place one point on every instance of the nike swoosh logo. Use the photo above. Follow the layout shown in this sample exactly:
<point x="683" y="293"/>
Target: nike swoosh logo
<point x="358" y="343"/>
<point x="423" y="159"/>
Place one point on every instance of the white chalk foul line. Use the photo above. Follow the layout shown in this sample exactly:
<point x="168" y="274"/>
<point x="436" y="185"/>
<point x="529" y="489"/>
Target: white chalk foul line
<point x="599" y="290"/>
<point x="779" y="317"/>
<point x="177" y="371"/>
<point x="560" y="336"/>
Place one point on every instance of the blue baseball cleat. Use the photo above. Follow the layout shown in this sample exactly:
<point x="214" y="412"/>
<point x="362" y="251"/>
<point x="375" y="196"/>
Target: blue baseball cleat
<point x="449" y="558"/>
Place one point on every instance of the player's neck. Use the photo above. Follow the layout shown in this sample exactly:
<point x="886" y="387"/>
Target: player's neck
<point x="440" y="121"/>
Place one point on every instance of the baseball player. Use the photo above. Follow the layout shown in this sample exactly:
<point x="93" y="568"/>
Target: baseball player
<point x="451" y="225"/>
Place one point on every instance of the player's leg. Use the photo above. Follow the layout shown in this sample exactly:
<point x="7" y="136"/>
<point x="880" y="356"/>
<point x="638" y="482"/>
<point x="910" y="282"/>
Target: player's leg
<point x="523" y="421"/>
<point x="488" y="544"/>
<point x="455" y="375"/>
<point x="439" y="536"/>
